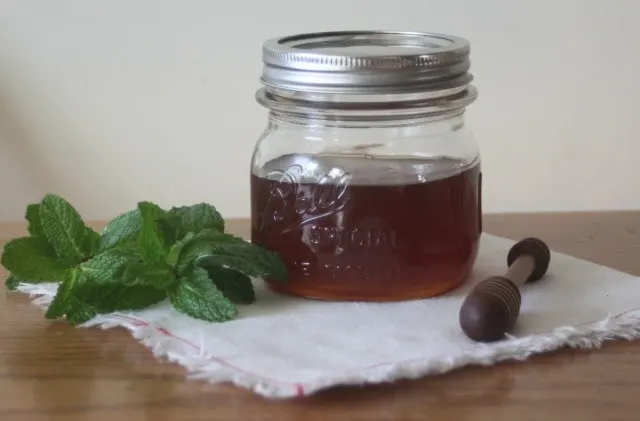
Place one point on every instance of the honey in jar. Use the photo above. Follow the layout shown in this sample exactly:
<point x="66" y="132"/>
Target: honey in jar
<point x="367" y="182"/>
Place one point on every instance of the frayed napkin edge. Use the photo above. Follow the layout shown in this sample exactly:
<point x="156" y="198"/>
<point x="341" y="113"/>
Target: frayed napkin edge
<point x="199" y="365"/>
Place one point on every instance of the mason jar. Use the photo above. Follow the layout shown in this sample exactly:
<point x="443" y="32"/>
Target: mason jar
<point x="366" y="181"/>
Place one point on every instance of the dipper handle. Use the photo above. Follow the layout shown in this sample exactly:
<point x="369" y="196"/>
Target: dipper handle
<point x="493" y="305"/>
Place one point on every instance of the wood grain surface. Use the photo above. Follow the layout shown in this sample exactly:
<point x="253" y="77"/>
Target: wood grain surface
<point x="49" y="371"/>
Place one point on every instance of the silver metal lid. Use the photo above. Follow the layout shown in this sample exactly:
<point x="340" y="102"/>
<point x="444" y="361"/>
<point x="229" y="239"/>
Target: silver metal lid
<point x="366" y="62"/>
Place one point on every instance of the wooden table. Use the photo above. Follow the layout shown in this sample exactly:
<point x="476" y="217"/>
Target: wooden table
<point x="49" y="371"/>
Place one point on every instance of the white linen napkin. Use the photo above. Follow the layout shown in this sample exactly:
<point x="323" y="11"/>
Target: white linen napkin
<point x="283" y="347"/>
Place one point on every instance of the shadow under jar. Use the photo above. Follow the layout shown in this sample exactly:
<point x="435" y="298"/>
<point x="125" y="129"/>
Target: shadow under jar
<point x="366" y="181"/>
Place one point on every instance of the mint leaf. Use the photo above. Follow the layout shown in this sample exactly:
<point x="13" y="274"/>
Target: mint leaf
<point x="198" y="217"/>
<point x="80" y="298"/>
<point x="86" y="303"/>
<point x="32" y="215"/>
<point x="64" y="300"/>
<point x="90" y="300"/>
<point x="171" y="225"/>
<point x="91" y="242"/>
<point x="78" y="312"/>
<point x="212" y="248"/>
<point x="159" y="276"/>
<point x="31" y="259"/>
<point x="198" y="246"/>
<point x="12" y="282"/>
<point x="236" y="286"/>
<point x="198" y="297"/>
<point x="64" y="229"/>
<point x="176" y="249"/>
<point x="155" y="232"/>
<point x="123" y="228"/>
<point x="106" y="266"/>
<point x="124" y="266"/>
<point x="110" y="298"/>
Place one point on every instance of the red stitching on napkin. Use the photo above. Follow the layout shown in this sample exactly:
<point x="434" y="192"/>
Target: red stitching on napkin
<point x="299" y="387"/>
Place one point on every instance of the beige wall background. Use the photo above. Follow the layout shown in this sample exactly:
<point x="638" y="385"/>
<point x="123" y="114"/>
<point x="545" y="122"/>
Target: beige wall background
<point x="112" y="102"/>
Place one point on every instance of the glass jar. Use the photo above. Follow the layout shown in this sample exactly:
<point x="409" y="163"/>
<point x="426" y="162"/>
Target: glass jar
<point x="366" y="181"/>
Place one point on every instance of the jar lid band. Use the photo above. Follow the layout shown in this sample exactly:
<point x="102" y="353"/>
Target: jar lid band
<point x="366" y="63"/>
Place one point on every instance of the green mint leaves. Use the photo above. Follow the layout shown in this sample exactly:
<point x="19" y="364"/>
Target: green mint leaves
<point x="32" y="258"/>
<point x="141" y="257"/>
<point x="198" y="297"/>
<point x="155" y="234"/>
<point x="211" y="247"/>
<point x="197" y="218"/>
<point x="236" y="286"/>
<point x="64" y="230"/>
<point x="122" y="229"/>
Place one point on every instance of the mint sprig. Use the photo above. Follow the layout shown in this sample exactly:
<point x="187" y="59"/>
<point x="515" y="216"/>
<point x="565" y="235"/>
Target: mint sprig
<point x="198" y="297"/>
<point x="141" y="257"/>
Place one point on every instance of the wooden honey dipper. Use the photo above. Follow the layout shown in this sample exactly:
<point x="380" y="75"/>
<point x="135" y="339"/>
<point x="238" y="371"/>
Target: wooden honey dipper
<point x="493" y="305"/>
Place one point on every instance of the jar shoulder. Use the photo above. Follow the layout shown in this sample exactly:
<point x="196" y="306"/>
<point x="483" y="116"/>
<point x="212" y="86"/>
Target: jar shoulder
<point x="364" y="151"/>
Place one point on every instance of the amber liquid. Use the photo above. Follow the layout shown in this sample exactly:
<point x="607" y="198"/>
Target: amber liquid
<point x="409" y="229"/>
